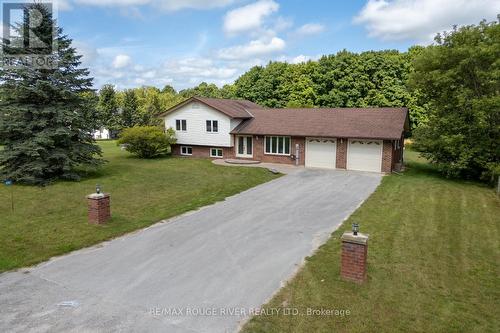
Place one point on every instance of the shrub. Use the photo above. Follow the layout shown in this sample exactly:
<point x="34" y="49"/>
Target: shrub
<point x="147" y="141"/>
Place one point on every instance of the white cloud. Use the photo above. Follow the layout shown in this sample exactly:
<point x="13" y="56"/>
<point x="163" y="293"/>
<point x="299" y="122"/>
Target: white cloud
<point x="200" y="68"/>
<point x="182" y="73"/>
<point x="282" y="23"/>
<point x="167" y="5"/>
<point x="310" y="29"/>
<point x="253" y="48"/>
<point x="299" y="59"/>
<point x="121" y="61"/>
<point x="111" y="3"/>
<point x="420" y="20"/>
<point x="62" y="4"/>
<point x="172" y="5"/>
<point x="88" y="53"/>
<point x="248" y="17"/>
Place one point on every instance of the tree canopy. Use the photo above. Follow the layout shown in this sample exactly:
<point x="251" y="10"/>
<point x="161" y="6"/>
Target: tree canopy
<point x="345" y="79"/>
<point x="460" y="78"/>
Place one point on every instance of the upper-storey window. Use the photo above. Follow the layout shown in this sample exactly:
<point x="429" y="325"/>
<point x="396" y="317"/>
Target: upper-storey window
<point x="180" y="125"/>
<point x="212" y="126"/>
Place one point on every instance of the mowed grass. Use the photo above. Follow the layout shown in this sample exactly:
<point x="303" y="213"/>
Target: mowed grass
<point x="433" y="263"/>
<point x="53" y="220"/>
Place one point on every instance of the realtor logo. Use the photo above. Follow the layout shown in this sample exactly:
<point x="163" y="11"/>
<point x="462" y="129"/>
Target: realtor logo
<point x="29" y="34"/>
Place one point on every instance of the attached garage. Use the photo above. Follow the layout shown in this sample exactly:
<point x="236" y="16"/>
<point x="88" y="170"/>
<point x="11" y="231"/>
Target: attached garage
<point x="321" y="153"/>
<point x="364" y="155"/>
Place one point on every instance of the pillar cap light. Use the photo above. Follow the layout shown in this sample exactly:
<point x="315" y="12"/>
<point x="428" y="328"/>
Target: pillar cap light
<point x="98" y="189"/>
<point x="355" y="229"/>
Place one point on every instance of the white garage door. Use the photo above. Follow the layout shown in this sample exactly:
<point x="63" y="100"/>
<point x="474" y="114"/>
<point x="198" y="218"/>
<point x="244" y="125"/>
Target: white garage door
<point x="321" y="152"/>
<point x="364" y="155"/>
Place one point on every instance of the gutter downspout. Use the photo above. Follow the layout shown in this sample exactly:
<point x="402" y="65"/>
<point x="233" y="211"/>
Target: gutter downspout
<point x="297" y="154"/>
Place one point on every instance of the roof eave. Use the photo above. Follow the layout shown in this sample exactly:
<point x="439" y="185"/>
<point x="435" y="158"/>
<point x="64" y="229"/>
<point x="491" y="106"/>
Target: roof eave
<point x="315" y="135"/>
<point x="194" y="98"/>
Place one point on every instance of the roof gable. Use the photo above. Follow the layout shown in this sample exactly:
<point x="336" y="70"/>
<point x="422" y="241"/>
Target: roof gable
<point x="233" y="108"/>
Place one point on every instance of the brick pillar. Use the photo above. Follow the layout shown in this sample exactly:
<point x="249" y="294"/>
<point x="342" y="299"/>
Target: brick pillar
<point x="341" y="158"/>
<point x="99" y="210"/>
<point x="387" y="156"/>
<point x="354" y="253"/>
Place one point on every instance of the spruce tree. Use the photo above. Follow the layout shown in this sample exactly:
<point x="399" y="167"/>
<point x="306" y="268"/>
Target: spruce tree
<point x="45" y="120"/>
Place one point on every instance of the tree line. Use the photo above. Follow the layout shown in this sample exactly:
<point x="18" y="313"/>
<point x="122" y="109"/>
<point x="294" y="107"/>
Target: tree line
<point x="345" y="79"/>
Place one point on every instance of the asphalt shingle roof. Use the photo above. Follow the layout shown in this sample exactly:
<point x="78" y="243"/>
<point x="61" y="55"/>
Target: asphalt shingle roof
<point x="372" y="123"/>
<point x="368" y="123"/>
<point x="234" y="108"/>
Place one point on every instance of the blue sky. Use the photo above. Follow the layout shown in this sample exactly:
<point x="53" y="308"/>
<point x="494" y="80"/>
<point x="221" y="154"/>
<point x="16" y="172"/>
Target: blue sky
<point x="131" y="43"/>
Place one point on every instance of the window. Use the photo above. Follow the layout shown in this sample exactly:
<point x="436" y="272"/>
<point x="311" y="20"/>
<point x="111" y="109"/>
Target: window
<point x="215" y="152"/>
<point x="277" y="145"/>
<point x="186" y="150"/>
<point x="212" y="126"/>
<point x="180" y="125"/>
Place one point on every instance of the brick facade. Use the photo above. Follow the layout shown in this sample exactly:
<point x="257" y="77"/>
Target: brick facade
<point x="387" y="160"/>
<point x="354" y="257"/>
<point x="99" y="210"/>
<point x="259" y="155"/>
<point x="203" y="151"/>
<point x="391" y="152"/>
<point x="341" y="162"/>
<point x="397" y="154"/>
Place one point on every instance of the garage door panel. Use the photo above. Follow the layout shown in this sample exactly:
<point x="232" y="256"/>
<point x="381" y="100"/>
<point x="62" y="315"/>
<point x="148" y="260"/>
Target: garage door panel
<point x="364" y="155"/>
<point x="321" y="152"/>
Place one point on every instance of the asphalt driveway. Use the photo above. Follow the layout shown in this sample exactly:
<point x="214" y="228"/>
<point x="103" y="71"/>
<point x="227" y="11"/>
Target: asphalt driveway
<point x="203" y="271"/>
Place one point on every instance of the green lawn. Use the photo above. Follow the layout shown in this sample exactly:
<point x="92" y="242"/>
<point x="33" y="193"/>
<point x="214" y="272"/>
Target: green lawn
<point x="433" y="263"/>
<point x="51" y="221"/>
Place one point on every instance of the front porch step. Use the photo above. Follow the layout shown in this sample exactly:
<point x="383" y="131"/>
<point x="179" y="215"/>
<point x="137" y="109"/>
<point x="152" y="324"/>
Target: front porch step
<point x="237" y="161"/>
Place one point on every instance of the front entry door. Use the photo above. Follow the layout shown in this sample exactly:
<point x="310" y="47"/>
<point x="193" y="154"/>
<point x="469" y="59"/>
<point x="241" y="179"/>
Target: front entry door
<point x="244" y="148"/>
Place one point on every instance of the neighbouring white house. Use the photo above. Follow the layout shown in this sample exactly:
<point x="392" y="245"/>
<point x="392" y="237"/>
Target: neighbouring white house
<point x="101" y="134"/>
<point x="366" y="139"/>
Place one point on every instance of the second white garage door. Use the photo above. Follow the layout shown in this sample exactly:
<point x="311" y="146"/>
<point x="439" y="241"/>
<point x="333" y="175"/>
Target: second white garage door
<point x="321" y="152"/>
<point x="364" y="155"/>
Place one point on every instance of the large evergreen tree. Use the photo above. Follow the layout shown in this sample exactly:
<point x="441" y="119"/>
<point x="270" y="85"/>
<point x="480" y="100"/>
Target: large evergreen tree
<point x="45" y="121"/>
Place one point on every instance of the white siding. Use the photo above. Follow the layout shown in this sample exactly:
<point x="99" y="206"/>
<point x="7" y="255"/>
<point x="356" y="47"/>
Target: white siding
<point x="234" y="123"/>
<point x="196" y="129"/>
